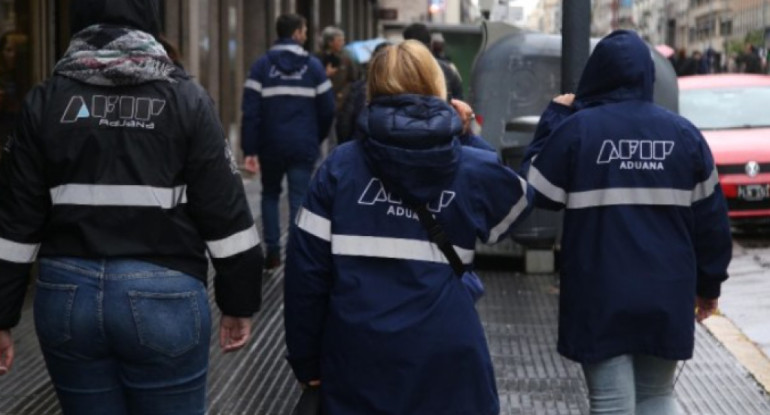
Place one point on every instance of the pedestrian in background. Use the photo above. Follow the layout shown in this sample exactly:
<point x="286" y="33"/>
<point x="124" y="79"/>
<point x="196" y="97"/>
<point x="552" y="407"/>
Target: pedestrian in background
<point x="749" y="61"/>
<point x="354" y="104"/>
<point x="288" y="109"/>
<point x="646" y="236"/>
<point x="454" y="83"/>
<point x="373" y="312"/>
<point x="119" y="176"/>
<point x="340" y="68"/>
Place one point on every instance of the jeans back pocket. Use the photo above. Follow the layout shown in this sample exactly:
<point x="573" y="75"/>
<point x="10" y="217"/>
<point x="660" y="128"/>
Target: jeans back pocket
<point x="168" y="323"/>
<point x="53" y="312"/>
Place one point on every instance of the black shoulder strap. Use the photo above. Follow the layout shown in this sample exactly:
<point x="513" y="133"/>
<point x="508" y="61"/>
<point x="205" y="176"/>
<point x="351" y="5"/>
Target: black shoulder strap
<point x="437" y="236"/>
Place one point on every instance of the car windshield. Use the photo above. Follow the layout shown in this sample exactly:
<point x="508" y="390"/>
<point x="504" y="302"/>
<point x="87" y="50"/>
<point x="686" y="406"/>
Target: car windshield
<point x="725" y="108"/>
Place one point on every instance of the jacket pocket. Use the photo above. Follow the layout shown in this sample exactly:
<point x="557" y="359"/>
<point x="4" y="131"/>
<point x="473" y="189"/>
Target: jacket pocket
<point x="168" y="323"/>
<point x="53" y="313"/>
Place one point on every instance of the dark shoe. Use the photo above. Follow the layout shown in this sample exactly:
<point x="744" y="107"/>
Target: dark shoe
<point x="272" y="261"/>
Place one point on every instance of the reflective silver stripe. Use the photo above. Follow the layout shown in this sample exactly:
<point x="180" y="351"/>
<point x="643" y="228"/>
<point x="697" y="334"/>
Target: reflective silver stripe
<point x="118" y="195"/>
<point x="314" y="224"/>
<point x="234" y="244"/>
<point x="327" y="85"/>
<point x="17" y="252"/>
<point x="550" y="190"/>
<point x="296" y="49"/>
<point x="706" y="188"/>
<point x="519" y="207"/>
<point x="252" y="84"/>
<point x="299" y="91"/>
<point x="629" y="196"/>
<point x="398" y="248"/>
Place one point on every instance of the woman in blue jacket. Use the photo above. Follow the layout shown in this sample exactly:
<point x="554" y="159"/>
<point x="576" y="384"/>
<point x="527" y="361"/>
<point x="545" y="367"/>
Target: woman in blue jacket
<point x="646" y="236"/>
<point x="373" y="311"/>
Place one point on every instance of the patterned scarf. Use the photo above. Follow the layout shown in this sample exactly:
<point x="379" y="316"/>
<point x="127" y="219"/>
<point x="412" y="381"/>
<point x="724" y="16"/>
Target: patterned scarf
<point x="108" y="55"/>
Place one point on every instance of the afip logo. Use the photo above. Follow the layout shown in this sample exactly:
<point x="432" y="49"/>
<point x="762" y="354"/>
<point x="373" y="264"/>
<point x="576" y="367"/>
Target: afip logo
<point x="296" y="76"/>
<point x="115" y="110"/>
<point x="636" y="154"/>
<point x="375" y="193"/>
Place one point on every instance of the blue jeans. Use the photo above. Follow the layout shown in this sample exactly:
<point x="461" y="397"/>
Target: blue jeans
<point x="298" y="174"/>
<point x="632" y="385"/>
<point x="123" y="337"/>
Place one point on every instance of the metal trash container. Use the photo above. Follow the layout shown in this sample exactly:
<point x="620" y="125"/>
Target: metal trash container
<point x="515" y="75"/>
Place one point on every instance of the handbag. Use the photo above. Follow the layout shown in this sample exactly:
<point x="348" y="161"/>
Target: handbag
<point x="436" y="234"/>
<point x="309" y="402"/>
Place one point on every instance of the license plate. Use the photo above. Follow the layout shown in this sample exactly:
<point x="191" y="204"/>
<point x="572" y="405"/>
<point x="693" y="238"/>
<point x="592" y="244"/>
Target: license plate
<point x="754" y="192"/>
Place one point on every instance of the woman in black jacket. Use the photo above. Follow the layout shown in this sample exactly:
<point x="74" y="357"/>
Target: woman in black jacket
<point x="119" y="177"/>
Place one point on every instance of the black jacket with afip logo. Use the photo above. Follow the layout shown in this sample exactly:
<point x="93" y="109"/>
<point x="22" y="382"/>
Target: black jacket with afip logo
<point x="141" y="172"/>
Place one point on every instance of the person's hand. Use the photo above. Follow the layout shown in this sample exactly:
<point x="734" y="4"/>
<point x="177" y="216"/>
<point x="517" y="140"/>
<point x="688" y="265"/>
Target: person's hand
<point x="251" y="164"/>
<point x="705" y="307"/>
<point x="466" y="113"/>
<point x="330" y="70"/>
<point x="565" y="99"/>
<point x="234" y="332"/>
<point x="314" y="383"/>
<point x="6" y="351"/>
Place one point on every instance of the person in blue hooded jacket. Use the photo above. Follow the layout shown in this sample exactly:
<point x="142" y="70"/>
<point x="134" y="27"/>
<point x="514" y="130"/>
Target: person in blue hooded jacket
<point x="646" y="239"/>
<point x="288" y="109"/>
<point x="373" y="311"/>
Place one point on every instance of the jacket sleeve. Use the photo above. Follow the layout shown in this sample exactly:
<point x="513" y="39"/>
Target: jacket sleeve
<point x="553" y="115"/>
<point x="24" y="206"/>
<point x="308" y="277"/>
<point x="499" y="210"/>
<point x="713" y="241"/>
<point x="217" y="204"/>
<point x="550" y="171"/>
<point x="324" y="101"/>
<point x="472" y="140"/>
<point x="250" y="108"/>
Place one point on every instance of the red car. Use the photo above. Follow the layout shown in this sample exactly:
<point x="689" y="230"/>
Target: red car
<point x="733" y="113"/>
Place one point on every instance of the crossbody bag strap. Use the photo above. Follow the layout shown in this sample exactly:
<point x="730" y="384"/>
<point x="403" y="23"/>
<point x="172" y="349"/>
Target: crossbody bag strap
<point x="437" y="236"/>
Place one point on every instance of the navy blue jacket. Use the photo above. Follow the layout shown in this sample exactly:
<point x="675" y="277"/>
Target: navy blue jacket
<point x="288" y="104"/>
<point x="645" y="224"/>
<point x="372" y="308"/>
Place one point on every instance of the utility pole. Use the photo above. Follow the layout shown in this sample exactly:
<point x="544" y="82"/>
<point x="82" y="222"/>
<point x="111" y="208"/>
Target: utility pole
<point x="575" y="41"/>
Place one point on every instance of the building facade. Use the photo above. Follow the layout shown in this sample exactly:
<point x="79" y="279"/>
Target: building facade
<point x="546" y="16"/>
<point x="217" y="39"/>
<point x="749" y="16"/>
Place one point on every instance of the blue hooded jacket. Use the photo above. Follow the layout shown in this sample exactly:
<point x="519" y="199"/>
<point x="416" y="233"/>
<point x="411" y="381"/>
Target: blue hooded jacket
<point x="372" y="308"/>
<point x="645" y="226"/>
<point x="288" y="105"/>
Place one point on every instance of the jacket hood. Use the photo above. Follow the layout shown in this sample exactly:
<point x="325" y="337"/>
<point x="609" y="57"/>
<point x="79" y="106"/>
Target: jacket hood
<point x="619" y="69"/>
<point x="138" y="14"/>
<point x="411" y="144"/>
<point x="288" y="56"/>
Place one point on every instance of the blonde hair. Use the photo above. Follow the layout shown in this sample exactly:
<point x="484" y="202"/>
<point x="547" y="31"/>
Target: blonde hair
<point x="406" y="68"/>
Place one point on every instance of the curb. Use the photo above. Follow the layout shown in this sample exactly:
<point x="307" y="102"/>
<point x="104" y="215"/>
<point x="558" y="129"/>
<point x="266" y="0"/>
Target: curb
<point x="740" y="346"/>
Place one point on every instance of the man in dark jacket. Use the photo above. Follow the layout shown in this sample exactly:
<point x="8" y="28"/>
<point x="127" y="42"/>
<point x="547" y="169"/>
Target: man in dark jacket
<point x="646" y="235"/>
<point x="454" y="84"/>
<point x="749" y="61"/>
<point x="288" y="108"/>
<point x="119" y="177"/>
